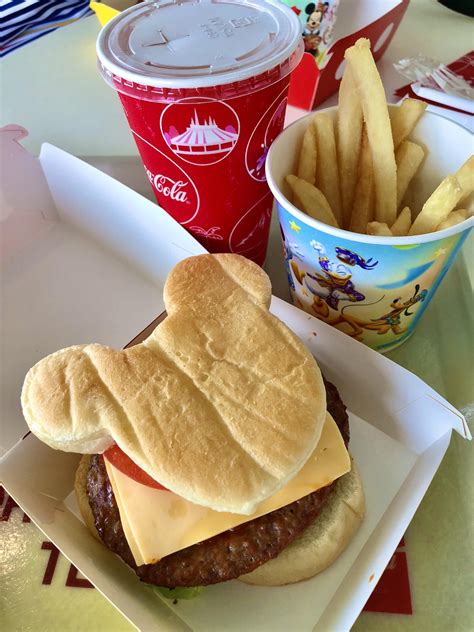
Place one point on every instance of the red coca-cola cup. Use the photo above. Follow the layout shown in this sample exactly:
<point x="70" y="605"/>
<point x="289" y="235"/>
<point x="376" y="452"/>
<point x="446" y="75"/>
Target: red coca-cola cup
<point x="204" y="87"/>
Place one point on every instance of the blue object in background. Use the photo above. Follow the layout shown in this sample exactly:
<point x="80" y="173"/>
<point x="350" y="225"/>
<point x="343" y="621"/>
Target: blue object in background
<point x="23" y="21"/>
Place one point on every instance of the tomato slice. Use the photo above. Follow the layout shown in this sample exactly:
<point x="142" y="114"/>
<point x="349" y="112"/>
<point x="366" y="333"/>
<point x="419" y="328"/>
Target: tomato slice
<point x="124" y="463"/>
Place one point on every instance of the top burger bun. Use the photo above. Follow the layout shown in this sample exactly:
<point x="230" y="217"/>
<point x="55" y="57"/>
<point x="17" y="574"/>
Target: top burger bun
<point x="222" y="404"/>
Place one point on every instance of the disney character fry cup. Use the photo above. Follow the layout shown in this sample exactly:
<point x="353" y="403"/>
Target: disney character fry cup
<point x="204" y="88"/>
<point x="373" y="288"/>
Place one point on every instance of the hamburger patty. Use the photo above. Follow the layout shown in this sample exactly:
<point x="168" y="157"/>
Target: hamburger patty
<point x="226" y="555"/>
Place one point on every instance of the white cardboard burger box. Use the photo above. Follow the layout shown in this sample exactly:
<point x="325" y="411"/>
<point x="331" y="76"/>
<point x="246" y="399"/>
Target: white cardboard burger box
<point x="85" y="260"/>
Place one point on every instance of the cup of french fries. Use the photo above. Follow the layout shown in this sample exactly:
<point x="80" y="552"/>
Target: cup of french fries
<point x="374" y="202"/>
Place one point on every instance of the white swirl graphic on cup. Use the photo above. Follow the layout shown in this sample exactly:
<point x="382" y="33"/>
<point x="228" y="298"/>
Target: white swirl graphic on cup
<point x="265" y="132"/>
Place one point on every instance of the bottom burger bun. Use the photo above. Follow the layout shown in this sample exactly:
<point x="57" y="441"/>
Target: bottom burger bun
<point x="80" y="487"/>
<point x="322" y="542"/>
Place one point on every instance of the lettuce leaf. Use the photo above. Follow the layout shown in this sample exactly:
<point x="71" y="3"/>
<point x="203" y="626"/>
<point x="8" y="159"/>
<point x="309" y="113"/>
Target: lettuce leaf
<point x="179" y="592"/>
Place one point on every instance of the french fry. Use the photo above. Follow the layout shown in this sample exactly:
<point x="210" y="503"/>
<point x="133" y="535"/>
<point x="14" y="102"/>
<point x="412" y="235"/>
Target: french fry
<point x="402" y="224"/>
<point x="349" y="137"/>
<point x="312" y="200"/>
<point x="327" y="173"/>
<point x="379" y="131"/>
<point x="404" y="119"/>
<point x="379" y="228"/>
<point x="363" y="206"/>
<point x="468" y="204"/>
<point x="297" y="202"/>
<point x="437" y="207"/>
<point x="409" y="157"/>
<point x="410" y="198"/>
<point x="455" y="217"/>
<point x="308" y="154"/>
<point x="465" y="177"/>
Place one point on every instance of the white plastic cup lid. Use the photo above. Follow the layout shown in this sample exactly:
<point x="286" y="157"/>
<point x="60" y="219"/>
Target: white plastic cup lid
<point x="198" y="44"/>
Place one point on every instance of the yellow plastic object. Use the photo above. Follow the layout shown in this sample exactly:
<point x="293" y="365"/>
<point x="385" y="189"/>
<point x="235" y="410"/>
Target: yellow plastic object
<point x="103" y="12"/>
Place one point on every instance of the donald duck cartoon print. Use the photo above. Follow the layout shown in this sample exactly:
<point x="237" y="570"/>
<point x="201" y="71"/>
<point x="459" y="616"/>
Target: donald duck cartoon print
<point x="333" y="283"/>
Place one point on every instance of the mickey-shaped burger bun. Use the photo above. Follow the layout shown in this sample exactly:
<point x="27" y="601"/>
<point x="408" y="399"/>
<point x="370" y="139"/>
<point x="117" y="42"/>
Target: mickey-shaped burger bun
<point x="222" y="404"/>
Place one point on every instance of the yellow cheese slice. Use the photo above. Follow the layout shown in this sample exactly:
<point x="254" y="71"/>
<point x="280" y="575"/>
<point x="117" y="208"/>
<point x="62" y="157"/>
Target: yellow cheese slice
<point x="157" y="523"/>
<point x="127" y="529"/>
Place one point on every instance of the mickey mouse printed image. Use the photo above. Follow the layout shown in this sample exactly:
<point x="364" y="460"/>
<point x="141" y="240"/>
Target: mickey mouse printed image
<point x="311" y="33"/>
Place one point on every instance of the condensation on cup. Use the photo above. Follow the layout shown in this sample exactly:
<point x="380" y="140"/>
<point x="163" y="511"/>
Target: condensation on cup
<point x="204" y="89"/>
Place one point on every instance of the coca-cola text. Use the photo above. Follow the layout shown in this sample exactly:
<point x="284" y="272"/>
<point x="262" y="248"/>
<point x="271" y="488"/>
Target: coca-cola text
<point x="174" y="189"/>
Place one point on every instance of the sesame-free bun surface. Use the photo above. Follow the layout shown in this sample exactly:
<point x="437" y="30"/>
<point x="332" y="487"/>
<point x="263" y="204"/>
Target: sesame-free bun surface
<point x="222" y="404"/>
<point x="322" y="542"/>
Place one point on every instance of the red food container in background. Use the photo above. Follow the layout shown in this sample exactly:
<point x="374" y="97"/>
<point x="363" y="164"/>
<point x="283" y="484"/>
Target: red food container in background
<point x="377" y="20"/>
<point x="204" y="87"/>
